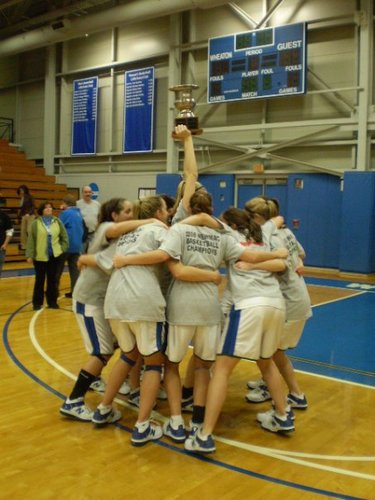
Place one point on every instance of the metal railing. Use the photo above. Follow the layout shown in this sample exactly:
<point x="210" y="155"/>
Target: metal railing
<point x="6" y="128"/>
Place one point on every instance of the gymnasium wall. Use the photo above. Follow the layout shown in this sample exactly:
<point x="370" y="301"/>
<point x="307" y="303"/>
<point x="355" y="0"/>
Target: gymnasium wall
<point x="332" y="58"/>
<point x="333" y="219"/>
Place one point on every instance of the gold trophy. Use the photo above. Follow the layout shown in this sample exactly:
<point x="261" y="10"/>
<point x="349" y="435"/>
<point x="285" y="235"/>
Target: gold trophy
<point x="185" y="103"/>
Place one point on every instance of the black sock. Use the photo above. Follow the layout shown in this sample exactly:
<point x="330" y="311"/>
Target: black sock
<point x="198" y="414"/>
<point x="187" y="392"/>
<point x="82" y="385"/>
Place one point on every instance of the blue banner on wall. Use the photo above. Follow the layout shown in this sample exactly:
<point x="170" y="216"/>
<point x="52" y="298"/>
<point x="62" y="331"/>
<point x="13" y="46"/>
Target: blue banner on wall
<point x="84" y="116"/>
<point x="139" y="110"/>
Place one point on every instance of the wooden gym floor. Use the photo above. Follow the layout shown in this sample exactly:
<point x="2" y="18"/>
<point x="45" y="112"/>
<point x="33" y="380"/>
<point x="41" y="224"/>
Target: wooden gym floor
<point x="330" y="455"/>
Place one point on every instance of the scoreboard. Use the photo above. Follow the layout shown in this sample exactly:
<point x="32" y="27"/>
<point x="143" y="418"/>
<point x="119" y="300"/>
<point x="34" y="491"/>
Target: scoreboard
<point x="261" y="63"/>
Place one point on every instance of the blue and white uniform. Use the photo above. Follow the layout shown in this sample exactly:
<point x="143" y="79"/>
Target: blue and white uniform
<point x="88" y="298"/>
<point x="254" y="325"/>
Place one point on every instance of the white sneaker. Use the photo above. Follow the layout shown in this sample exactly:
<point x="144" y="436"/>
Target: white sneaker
<point x="98" y="385"/>
<point x="76" y="408"/>
<point x="124" y="389"/>
<point x="255" y="384"/>
<point x="258" y="395"/>
<point x="176" y="434"/>
<point x="271" y="422"/>
<point x="134" y="397"/>
<point x="152" y="433"/>
<point x="102" y="417"/>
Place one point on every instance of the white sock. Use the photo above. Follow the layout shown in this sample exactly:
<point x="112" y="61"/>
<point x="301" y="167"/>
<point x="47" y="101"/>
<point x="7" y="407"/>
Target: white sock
<point x="104" y="407"/>
<point x="281" y="417"/>
<point x="299" y="396"/>
<point x="142" y="426"/>
<point x="202" y="436"/>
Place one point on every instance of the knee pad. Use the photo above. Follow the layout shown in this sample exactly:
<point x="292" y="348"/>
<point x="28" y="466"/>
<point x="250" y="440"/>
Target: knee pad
<point x="127" y="360"/>
<point x="155" y="368"/>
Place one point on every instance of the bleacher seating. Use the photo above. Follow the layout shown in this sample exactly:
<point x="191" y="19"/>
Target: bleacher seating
<point x="16" y="169"/>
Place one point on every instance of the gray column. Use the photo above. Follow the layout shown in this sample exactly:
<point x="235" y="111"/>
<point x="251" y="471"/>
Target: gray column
<point x="366" y="81"/>
<point x="49" y="135"/>
<point x="174" y="77"/>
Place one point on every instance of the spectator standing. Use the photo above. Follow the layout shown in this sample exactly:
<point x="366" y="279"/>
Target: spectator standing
<point x="26" y="213"/>
<point x="6" y="233"/>
<point x="90" y="211"/>
<point x="46" y="243"/>
<point x="72" y="219"/>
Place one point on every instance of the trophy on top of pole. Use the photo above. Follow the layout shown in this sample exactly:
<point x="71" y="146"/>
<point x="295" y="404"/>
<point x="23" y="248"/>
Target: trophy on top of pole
<point x="185" y="103"/>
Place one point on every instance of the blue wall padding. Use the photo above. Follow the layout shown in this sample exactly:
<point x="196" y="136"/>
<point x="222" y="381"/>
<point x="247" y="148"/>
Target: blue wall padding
<point x="167" y="183"/>
<point x="248" y="191"/>
<point x="221" y="187"/>
<point x="357" y="241"/>
<point x="314" y="215"/>
<point x="336" y="228"/>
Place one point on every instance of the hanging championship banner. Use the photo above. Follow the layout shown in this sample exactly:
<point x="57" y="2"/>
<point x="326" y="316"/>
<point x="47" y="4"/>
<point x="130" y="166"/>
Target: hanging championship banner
<point x="84" y="116"/>
<point x="139" y="110"/>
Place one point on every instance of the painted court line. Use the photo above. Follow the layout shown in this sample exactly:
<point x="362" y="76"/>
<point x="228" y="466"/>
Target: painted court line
<point x="211" y="461"/>
<point x="271" y="452"/>
<point x="337" y="300"/>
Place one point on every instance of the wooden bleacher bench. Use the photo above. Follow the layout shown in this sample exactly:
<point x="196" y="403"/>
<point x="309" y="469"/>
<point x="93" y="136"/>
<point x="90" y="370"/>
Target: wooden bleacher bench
<point x="16" y="169"/>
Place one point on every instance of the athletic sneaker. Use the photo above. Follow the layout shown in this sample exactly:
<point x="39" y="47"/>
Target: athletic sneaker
<point x="255" y="384"/>
<point x="264" y="415"/>
<point x="152" y="433"/>
<point x="271" y="422"/>
<point x="76" y="408"/>
<point x="258" y="395"/>
<point x="199" y="445"/>
<point x="296" y="402"/>
<point x="162" y="394"/>
<point x="178" y="435"/>
<point x="134" y="397"/>
<point x="98" y="385"/>
<point x="193" y="429"/>
<point x="187" y="404"/>
<point x="124" y="389"/>
<point x="103" y="416"/>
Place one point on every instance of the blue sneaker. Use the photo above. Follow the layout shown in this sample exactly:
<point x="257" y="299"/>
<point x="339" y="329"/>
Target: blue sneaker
<point x="152" y="433"/>
<point x="297" y="402"/>
<point x="187" y="405"/>
<point x="103" y="416"/>
<point x="194" y="428"/>
<point x="271" y="422"/>
<point x="178" y="435"/>
<point x="76" y="408"/>
<point x="199" y="445"/>
<point x="262" y="416"/>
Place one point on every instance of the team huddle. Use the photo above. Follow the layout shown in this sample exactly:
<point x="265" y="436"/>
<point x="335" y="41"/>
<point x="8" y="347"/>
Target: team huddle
<point x="149" y="285"/>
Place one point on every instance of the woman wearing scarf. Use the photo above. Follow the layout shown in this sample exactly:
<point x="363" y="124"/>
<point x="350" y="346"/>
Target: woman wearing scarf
<point x="46" y="243"/>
